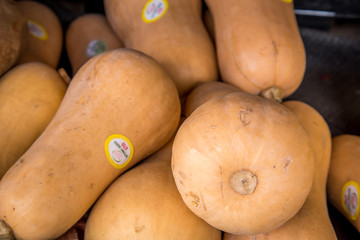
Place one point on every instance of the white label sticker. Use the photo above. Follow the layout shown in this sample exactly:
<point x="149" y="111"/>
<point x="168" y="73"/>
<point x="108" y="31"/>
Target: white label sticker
<point x="153" y="10"/>
<point x="95" y="47"/>
<point x="119" y="150"/>
<point x="350" y="199"/>
<point x="37" y="30"/>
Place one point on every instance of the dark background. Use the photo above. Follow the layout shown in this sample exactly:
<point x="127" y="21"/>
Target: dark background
<point x="331" y="33"/>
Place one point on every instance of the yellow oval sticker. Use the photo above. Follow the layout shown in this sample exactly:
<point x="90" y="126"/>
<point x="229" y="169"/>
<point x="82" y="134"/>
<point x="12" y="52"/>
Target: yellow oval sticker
<point x="119" y="150"/>
<point x="153" y="10"/>
<point x="350" y="199"/>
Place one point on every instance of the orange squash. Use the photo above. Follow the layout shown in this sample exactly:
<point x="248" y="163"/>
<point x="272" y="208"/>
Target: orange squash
<point x="205" y="92"/>
<point x="144" y="203"/>
<point x="170" y="31"/>
<point x="343" y="186"/>
<point x="234" y="167"/>
<point x="88" y="35"/>
<point x="312" y="221"/>
<point x="45" y="33"/>
<point x="30" y="95"/>
<point x="259" y="46"/>
<point x="13" y="34"/>
<point x="111" y="117"/>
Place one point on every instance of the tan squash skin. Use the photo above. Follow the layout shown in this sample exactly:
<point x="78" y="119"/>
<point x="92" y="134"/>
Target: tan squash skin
<point x="258" y="45"/>
<point x="13" y="34"/>
<point x="204" y="92"/>
<point x="344" y="167"/>
<point x="30" y="95"/>
<point x="144" y="203"/>
<point x="312" y="222"/>
<point x="209" y="23"/>
<point x="83" y="33"/>
<point x="48" y="50"/>
<point x="178" y="40"/>
<point x="227" y="144"/>
<point x="62" y="174"/>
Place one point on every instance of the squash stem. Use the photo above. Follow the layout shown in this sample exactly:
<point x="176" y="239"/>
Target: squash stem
<point x="5" y="231"/>
<point x="273" y="93"/>
<point x="64" y="75"/>
<point x="243" y="182"/>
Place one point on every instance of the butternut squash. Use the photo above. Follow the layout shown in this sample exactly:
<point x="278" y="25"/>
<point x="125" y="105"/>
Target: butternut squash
<point x="344" y="179"/>
<point x="111" y="117"/>
<point x="87" y="36"/>
<point x="13" y="34"/>
<point x="144" y="203"/>
<point x="312" y="221"/>
<point x="259" y="46"/>
<point x="30" y="95"/>
<point x="205" y="92"/>
<point x="45" y="33"/>
<point x="234" y="167"/>
<point x="170" y="31"/>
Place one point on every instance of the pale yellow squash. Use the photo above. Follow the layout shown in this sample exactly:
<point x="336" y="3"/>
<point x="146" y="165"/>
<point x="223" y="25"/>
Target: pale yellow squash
<point x="236" y="164"/>
<point x="30" y="95"/>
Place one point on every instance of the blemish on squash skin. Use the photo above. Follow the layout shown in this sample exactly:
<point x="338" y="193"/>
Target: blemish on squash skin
<point x="195" y="199"/>
<point x="182" y="175"/>
<point x="139" y="228"/>
<point x="243" y="114"/>
<point x="276" y="51"/>
<point x="285" y="164"/>
<point x="18" y="163"/>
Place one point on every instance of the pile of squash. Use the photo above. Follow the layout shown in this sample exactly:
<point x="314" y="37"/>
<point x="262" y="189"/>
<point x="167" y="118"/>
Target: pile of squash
<point x="173" y="123"/>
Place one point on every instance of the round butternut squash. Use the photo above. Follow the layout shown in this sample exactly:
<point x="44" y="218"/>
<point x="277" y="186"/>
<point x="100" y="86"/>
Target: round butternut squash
<point x="144" y="203"/>
<point x="237" y="167"/>
<point x="30" y="95"/>
<point x="89" y="35"/>
<point x="45" y="33"/>
<point x="343" y="186"/>
<point x="312" y="221"/>
<point x="111" y="117"/>
<point x="259" y="46"/>
<point x="205" y="92"/>
<point x="13" y="34"/>
<point x="170" y="31"/>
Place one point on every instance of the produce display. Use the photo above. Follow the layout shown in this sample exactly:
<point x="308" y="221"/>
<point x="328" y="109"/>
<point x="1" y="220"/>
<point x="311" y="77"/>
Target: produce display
<point x="166" y="120"/>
